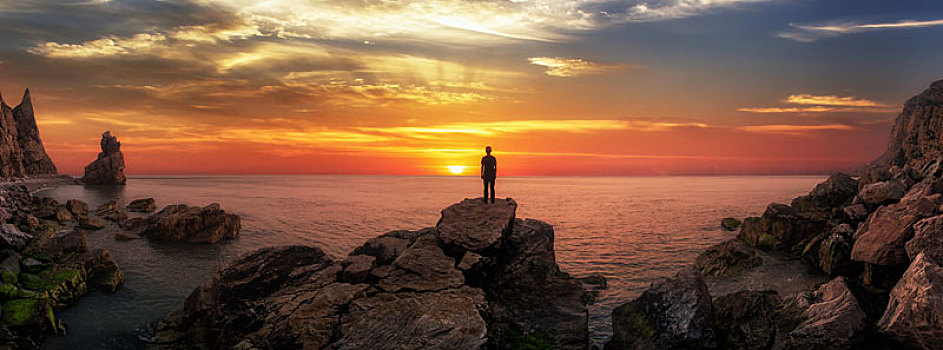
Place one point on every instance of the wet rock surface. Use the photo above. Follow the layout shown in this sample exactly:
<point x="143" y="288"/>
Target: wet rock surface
<point x="183" y="223"/>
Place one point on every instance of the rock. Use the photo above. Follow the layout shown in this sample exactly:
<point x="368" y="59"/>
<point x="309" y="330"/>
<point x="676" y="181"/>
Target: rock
<point x="914" y="315"/>
<point x="182" y="223"/>
<point x="675" y="313"/>
<point x="746" y="320"/>
<point x="827" y="198"/>
<point x="728" y="258"/>
<point x="389" y="246"/>
<point x="76" y="207"/>
<point x="730" y="224"/>
<point x="880" y="240"/>
<point x="827" y="318"/>
<point x="780" y="228"/>
<point x="878" y="193"/>
<point x="422" y="267"/>
<point x="131" y="224"/>
<point x="68" y="241"/>
<point x="595" y="280"/>
<point x="11" y="237"/>
<point x="830" y="252"/>
<point x="357" y="268"/>
<point x="9" y="266"/>
<point x="856" y="212"/>
<point x="528" y="295"/>
<point x="62" y="215"/>
<point x="10" y="150"/>
<point x="475" y="225"/>
<point x="102" y="270"/>
<point x="87" y="223"/>
<point x="469" y="261"/>
<point x="124" y="236"/>
<point x="35" y="159"/>
<point x="142" y="205"/>
<point x="928" y="239"/>
<point x="32" y="265"/>
<point x="108" y="169"/>
<point x="441" y="320"/>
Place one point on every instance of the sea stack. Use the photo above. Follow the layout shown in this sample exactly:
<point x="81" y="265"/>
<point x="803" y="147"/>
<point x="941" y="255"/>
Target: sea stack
<point x="21" y="149"/>
<point x="108" y="169"/>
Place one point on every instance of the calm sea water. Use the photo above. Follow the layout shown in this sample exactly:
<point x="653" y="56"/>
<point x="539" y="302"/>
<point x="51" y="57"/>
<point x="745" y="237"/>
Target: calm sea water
<point x="632" y="230"/>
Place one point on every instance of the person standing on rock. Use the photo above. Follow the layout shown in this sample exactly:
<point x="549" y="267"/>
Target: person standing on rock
<point x="489" y="172"/>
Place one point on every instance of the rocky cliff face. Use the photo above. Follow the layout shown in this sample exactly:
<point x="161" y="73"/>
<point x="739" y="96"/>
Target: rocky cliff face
<point x="21" y="150"/>
<point x="108" y="169"/>
<point x="917" y="137"/>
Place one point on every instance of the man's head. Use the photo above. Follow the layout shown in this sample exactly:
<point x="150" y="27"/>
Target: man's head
<point x="488" y="150"/>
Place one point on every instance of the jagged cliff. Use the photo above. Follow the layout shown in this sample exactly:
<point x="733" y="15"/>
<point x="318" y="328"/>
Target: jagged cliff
<point x="21" y="150"/>
<point x="917" y="137"/>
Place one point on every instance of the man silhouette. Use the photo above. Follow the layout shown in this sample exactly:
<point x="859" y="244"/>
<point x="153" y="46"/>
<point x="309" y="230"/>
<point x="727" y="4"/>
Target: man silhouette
<point x="489" y="171"/>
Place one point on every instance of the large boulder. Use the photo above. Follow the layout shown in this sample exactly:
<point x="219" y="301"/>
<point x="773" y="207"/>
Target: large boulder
<point x="780" y="228"/>
<point x="674" y="313"/>
<point x="728" y="258"/>
<point x="108" y="169"/>
<point x="914" y="314"/>
<point x="928" y="239"/>
<point x="828" y="318"/>
<point x="529" y="296"/>
<point x="475" y="225"/>
<point x="827" y="198"/>
<point x="11" y="237"/>
<point x="183" y="223"/>
<point x="422" y="267"/>
<point x="746" y="320"/>
<point x="880" y="240"/>
<point x="884" y="192"/>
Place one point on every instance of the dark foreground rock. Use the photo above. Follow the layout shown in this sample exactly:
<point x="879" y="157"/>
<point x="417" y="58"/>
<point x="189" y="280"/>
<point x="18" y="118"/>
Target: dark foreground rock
<point x="108" y="169"/>
<point x="142" y="205"/>
<point x="746" y="320"/>
<point x="183" y="223"/>
<point x="780" y="228"/>
<point x="675" y="313"/>
<point x="730" y="224"/>
<point x="828" y="198"/>
<point x="401" y="290"/>
<point x="828" y="318"/>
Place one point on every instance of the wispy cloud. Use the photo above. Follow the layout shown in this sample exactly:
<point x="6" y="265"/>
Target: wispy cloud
<point x="813" y="32"/>
<point x="831" y="100"/>
<point x="795" y="129"/>
<point x="823" y="104"/>
<point x="571" y="67"/>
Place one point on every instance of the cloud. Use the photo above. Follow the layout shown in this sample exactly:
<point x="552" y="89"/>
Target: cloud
<point x="795" y="129"/>
<point x="824" y="103"/>
<point x="831" y="100"/>
<point x="571" y="67"/>
<point x="813" y="32"/>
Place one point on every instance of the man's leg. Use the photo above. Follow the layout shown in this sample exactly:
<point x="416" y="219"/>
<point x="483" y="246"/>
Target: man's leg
<point x="485" y="196"/>
<point x="492" y="190"/>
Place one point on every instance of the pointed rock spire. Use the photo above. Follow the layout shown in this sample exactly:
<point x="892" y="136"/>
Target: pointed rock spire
<point x="26" y="99"/>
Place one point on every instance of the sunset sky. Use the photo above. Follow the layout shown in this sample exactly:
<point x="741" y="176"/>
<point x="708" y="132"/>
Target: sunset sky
<point x="557" y="87"/>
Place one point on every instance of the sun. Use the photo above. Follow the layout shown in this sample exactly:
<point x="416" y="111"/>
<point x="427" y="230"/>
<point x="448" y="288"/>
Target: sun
<point x="456" y="169"/>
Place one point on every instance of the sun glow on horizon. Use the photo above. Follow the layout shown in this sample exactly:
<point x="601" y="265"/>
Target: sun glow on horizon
<point x="456" y="169"/>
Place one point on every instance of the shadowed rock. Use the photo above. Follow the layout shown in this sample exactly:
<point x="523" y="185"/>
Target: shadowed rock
<point x="746" y="320"/>
<point x="780" y="228"/>
<point x="928" y="239"/>
<point x="142" y="205"/>
<point x="108" y="169"/>
<point x="827" y="198"/>
<point x="914" y="314"/>
<point x="35" y="159"/>
<point x="915" y="138"/>
<point x="183" y="223"/>
<point x="674" y="313"/>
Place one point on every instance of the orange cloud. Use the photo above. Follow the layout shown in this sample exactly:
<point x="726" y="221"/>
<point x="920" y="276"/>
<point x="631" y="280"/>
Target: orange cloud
<point x="831" y="100"/>
<point x="571" y="67"/>
<point x="795" y="129"/>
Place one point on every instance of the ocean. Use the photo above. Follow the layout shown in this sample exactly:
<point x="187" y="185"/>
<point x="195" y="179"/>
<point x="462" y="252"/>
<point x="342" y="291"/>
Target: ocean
<point x="632" y="230"/>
